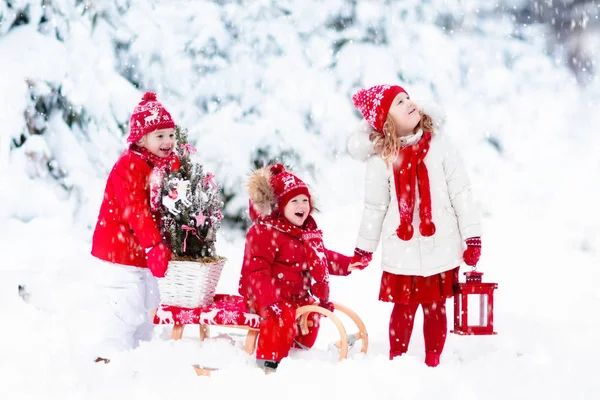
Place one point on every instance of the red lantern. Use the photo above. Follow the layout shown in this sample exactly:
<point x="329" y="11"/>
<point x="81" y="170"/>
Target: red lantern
<point x="474" y="286"/>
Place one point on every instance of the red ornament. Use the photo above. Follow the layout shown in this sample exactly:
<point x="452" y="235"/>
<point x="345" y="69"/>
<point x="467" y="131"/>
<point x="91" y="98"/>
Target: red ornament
<point x="485" y="291"/>
<point x="175" y="165"/>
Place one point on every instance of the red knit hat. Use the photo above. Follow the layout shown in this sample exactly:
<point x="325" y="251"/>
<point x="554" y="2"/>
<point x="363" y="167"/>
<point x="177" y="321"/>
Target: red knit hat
<point x="374" y="103"/>
<point x="286" y="185"/>
<point x="148" y="116"/>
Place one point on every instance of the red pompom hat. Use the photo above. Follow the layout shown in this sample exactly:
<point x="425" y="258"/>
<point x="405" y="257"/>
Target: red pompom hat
<point x="374" y="103"/>
<point x="286" y="185"/>
<point x="148" y="116"/>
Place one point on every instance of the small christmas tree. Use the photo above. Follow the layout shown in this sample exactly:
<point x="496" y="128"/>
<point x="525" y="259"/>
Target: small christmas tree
<point x="190" y="206"/>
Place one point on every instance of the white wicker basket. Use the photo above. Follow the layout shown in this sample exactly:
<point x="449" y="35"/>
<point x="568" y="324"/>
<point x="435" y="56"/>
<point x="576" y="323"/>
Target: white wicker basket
<point x="190" y="284"/>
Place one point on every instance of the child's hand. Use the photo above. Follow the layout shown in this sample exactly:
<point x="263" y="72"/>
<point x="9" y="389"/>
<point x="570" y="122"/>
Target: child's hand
<point x="158" y="260"/>
<point x="473" y="251"/>
<point x="355" y="266"/>
<point x="360" y="259"/>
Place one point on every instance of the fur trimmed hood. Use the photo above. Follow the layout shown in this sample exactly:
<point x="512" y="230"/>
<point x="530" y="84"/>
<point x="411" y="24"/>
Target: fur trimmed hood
<point x="262" y="198"/>
<point x="270" y="188"/>
<point x="360" y="147"/>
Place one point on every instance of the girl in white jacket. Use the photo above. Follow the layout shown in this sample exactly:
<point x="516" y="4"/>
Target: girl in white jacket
<point x="418" y="202"/>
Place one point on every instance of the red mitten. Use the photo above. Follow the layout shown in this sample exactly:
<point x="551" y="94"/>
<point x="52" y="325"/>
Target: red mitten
<point x="362" y="256"/>
<point x="327" y="305"/>
<point x="158" y="260"/>
<point x="321" y="291"/>
<point x="473" y="251"/>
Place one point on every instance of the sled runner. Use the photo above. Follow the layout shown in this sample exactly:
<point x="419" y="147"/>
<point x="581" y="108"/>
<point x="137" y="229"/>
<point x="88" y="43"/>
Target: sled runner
<point x="230" y="311"/>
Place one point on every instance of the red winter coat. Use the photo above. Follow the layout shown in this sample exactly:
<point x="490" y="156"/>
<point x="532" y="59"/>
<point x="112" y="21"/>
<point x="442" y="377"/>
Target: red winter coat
<point x="275" y="267"/>
<point x="125" y="224"/>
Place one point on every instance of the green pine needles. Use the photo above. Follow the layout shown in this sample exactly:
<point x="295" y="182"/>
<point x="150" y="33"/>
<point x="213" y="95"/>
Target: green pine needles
<point x="191" y="206"/>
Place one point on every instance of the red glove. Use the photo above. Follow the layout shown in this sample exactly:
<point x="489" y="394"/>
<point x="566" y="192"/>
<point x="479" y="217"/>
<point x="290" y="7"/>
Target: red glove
<point x="362" y="256"/>
<point x="321" y="291"/>
<point x="327" y="305"/>
<point x="473" y="251"/>
<point x="158" y="260"/>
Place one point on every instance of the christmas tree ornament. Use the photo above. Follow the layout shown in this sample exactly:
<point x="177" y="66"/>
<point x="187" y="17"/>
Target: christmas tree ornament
<point x="209" y="179"/>
<point x="175" y="165"/>
<point x="200" y="219"/>
<point x="187" y="149"/>
<point x="187" y="230"/>
<point x="179" y="192"/>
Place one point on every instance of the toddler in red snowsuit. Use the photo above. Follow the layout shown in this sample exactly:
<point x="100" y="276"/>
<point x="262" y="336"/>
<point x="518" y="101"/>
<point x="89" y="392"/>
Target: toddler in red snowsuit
<point x="127" y="242"/>
<point x="285" y="262"/>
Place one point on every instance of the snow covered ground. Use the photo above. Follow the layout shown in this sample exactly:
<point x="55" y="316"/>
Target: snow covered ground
<point x="546" y="308"/>
<point x="527" y="132"/>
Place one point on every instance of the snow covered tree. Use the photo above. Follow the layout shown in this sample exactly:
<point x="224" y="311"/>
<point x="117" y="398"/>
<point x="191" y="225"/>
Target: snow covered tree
<point x="255" y="81"/>
<point x="62" y="128"/>
<point x="191" y="206"/>
<point x="573" y="31"/>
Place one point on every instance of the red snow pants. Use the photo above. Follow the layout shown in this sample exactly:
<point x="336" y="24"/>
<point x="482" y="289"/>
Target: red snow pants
<point x="278" y="333"/>
<point x="407" y="293"/>
<point x="435" y="325"/>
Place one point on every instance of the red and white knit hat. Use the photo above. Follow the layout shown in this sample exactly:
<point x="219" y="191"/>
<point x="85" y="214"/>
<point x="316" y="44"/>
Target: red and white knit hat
<point x="270" y="189"/>
<point x="148" y="116"/>
<point x="374" y="103"/>
<point x="286" y="185"/>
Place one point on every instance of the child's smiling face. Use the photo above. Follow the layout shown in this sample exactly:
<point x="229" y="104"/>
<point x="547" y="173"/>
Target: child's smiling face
<point x="160" y="142"/>
<point x="297" y="209"/>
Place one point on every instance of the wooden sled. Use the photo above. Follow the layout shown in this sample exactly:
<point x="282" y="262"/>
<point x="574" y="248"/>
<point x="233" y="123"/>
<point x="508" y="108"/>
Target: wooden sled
<point x="219" y="314"/>
<point x="204" y="332"/>
<point x="345" y="339"/>
<point x="302" y="313"/>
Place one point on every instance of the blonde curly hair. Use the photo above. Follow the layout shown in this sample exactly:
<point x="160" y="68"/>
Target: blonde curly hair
<point x="387" y="144"/>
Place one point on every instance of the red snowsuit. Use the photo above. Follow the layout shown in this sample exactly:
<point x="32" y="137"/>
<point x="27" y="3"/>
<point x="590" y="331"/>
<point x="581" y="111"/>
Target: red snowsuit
<point x="275" y="271"/>
<point x="125" y="224"/>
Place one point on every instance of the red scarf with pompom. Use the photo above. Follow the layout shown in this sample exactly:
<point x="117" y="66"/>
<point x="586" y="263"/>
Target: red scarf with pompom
<point x="412" y="168"/>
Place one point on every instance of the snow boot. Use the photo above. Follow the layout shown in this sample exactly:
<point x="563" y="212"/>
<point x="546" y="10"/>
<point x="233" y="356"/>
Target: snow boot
<point x="268" y="366"/>
<point x="432" y="359"/>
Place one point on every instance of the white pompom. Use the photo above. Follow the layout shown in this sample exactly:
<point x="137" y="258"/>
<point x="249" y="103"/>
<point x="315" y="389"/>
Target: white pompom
<point x="359" y="145"/>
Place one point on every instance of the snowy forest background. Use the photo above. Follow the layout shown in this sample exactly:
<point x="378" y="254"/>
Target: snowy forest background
<point x="276" y="76"/>
<point x="260" y="80"/>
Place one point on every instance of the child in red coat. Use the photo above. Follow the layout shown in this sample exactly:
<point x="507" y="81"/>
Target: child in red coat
<point x="285" y="262"/>
<point x="127" y="241"/>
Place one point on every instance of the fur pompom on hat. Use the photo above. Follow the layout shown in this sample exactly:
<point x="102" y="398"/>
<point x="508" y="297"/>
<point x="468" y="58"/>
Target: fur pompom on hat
<point x="148" y="116"/>
<point x="271" y="188"/>
<point x="374" y="103"/>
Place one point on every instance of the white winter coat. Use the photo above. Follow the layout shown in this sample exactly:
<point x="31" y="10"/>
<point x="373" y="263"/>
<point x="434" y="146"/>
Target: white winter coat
<point x="454" y="211"/>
